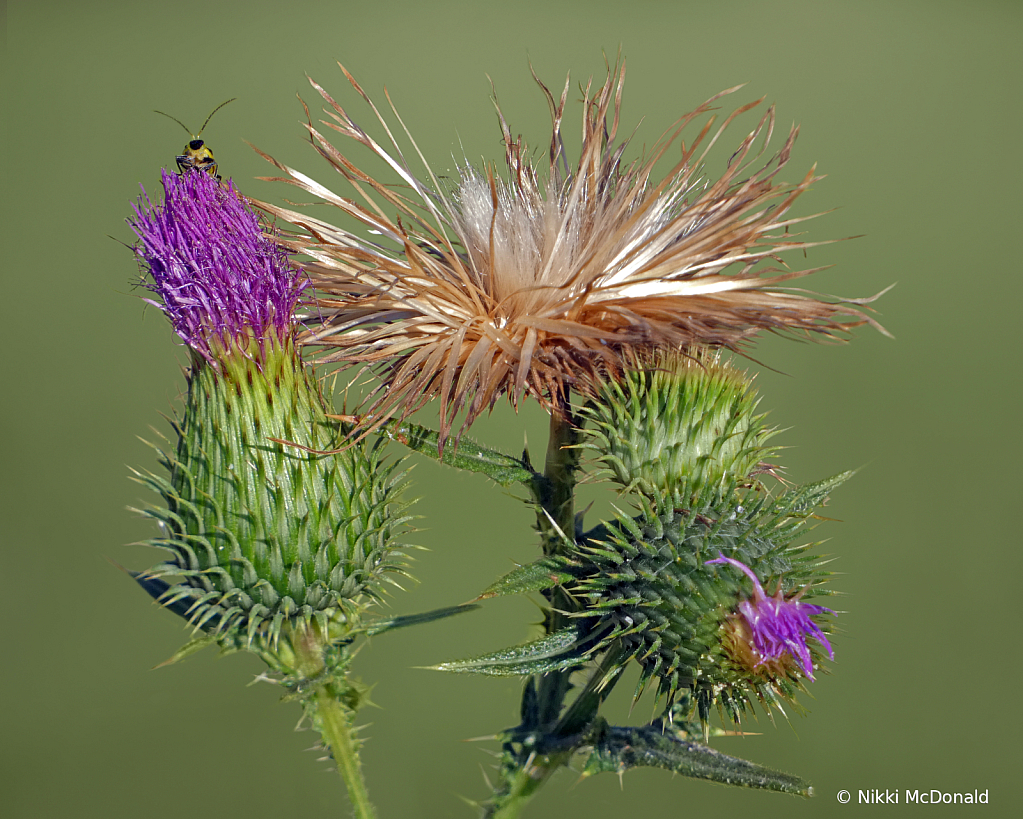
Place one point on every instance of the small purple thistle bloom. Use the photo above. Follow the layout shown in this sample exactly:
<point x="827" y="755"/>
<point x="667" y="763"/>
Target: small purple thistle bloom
<point x="220" y="281"/>
<point x="779" y="626"/>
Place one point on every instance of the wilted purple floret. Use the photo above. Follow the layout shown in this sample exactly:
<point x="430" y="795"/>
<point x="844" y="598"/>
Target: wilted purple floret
<point x="219" y="279"/>
<point x="779" y="626"/>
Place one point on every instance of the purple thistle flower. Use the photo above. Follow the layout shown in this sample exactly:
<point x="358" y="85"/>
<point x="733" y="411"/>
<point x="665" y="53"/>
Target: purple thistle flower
<point x="220" y="281"/>
<point x="779" y="626"/>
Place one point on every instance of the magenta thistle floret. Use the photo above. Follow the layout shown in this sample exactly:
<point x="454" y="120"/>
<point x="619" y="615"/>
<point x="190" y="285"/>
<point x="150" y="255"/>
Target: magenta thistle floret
<point x="779" y="626"/>
<point x="219" y="279"/>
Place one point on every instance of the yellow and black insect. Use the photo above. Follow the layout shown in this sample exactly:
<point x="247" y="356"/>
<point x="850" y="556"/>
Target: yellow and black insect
<point x="197" y="154"/>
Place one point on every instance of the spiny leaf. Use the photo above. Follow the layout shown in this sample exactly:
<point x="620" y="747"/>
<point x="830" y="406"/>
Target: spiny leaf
<point x="548" y="653"/>
<point x="503" y="469"/>
<point x="380" y="626"/>
<point x="811" y="495"/>
<point x="536" y="576"/>
<point x="189" y="648"/>
<point x="618" y="749"/>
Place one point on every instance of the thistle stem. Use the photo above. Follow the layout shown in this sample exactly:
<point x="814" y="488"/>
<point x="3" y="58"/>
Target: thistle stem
<point x="336" y="728"/>
<point x="331" y="715"/>
<point x="556" y="521"/>
<point x="531" y="777"/>
<point x="527" y="782"/>
<point x="558" y="494"/>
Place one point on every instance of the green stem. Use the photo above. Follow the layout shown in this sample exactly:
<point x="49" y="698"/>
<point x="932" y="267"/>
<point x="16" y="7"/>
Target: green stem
<point x="527" y="782"/>
<point x="336" y="729"/>
<point x="330" y="709"/>
<point x="530" y="778"/>
<point x="556" y="522"/>
<point x="558" y="495"/>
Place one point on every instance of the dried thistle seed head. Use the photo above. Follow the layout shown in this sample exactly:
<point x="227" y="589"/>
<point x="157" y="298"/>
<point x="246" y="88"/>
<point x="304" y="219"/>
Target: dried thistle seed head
<point x="669" y="421"/>
<point x="267" y="530"/>
<point x="517" y="285"/>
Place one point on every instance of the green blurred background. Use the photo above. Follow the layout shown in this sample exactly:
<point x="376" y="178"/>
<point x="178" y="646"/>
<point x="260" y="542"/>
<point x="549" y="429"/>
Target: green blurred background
<point x="912" y="109"/>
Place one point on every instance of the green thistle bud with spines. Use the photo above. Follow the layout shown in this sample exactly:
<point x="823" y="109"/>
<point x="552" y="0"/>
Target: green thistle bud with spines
<point x="647" y="588"/>
<point x="264" y="532"/>
<point x="680" y="432"/>
<point x="671" y="420"/>
<point x="275" y="522"/>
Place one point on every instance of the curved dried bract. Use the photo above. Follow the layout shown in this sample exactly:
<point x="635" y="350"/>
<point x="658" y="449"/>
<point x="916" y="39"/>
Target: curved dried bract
<point x="519" y="284"/>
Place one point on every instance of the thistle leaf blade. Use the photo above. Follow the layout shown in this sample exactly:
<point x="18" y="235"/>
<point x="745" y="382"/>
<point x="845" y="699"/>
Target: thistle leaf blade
<point x="619" y="749"/>
<point x="392" y="623"/>
<point x="539" y="575"/>
<point x="468" y="455"/>
<point x="551" y="652"/>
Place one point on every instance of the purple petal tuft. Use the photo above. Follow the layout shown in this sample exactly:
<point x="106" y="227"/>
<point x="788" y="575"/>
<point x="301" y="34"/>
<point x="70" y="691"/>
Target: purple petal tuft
<point x="220" y="281"/>
<point x="779" y="626"/>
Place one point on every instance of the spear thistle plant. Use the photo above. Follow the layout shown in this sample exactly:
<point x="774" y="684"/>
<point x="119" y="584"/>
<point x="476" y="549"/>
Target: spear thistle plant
<point x="611" y="297"/>
<point x="602" y="293"/>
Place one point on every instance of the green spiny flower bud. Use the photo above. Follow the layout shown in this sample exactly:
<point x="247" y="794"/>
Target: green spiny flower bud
<point x="674" y="420"/>
<point x="681" y="591"/>
<point x="272" y="523"/>
<point x="651" y="585"/>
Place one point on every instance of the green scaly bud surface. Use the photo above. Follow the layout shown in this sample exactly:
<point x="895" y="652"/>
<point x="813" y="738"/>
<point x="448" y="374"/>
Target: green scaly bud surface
<point x="647" y="586"/>
<point x="674" y="421"/>
<point x="642" y="588"/>
<point x="268" y="537"/>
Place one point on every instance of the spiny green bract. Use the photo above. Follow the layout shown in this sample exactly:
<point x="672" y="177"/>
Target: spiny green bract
<point x="674" y="419"/>
<point x="265" y="535"/>
<point x="645" y="586"/>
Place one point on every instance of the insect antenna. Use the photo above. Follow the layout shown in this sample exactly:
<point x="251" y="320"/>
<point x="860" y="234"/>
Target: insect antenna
<point x="213" y="112"/>
<point x="207" y="122"/>
<point x="178" y="121"/>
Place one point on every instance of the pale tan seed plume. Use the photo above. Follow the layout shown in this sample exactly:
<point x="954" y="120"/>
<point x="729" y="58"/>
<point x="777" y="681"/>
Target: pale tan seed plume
<point x="519" y="284"/>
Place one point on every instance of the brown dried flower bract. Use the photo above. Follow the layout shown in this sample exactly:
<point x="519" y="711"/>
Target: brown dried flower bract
<point x="519" y="283"/>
